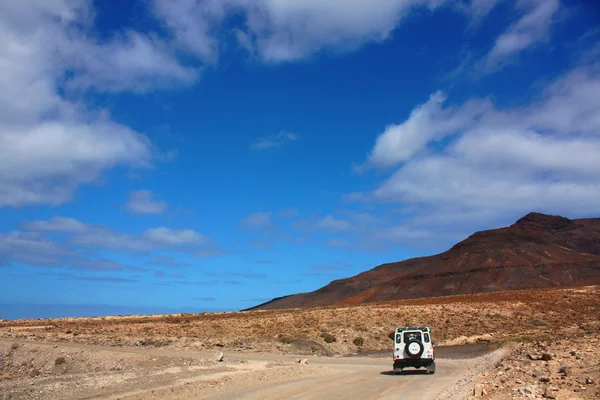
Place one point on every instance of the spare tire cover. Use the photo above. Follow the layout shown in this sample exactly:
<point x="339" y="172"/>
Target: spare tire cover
<point x="414" y="348"/>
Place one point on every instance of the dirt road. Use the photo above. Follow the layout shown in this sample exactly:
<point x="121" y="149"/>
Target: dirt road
<point x="372" y="378"/>
<point x="102" y="372"/>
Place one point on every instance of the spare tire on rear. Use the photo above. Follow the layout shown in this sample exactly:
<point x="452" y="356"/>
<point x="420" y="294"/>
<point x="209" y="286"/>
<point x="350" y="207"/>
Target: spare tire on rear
<point x="414" y="348"/>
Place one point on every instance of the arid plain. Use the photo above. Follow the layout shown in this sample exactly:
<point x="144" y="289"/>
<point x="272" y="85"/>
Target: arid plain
<point x="512" y="344"/>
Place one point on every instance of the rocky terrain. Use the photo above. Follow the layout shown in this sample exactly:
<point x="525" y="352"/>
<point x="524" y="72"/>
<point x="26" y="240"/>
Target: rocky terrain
<point x="347" y="330"/>
<point x="567" y="368"/>
<point x="537" y="251"/>
<point x="159" y="356"/>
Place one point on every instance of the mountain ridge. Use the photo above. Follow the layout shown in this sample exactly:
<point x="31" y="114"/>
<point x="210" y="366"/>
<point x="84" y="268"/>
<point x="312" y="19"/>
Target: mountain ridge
<point x="536" y="251"/>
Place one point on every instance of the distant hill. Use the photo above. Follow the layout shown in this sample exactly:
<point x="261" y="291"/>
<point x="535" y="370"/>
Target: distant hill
<point x="538" y="251"/>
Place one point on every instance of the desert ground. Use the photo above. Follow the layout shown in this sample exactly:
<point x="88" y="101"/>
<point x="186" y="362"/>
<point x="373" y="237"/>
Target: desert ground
<point x="516" y="344"/>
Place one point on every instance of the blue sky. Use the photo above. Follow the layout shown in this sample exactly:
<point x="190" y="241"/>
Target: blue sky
<point x="173" y="156"/>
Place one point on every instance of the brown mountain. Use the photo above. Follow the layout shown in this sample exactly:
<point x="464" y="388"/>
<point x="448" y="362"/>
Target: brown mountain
<point x="538" y="251"/>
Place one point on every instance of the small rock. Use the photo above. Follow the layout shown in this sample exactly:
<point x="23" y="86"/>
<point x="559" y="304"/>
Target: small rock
<point x="544" y="379"/>
<point x="219" y="356"/>
<point x="530" y="389"/>
<point x="305" y="362"/>
<point x="548" y="394"/>
<point x="566" y="371"/>
<point x="500" y="373"/>
<point x="546" y="357"/>
<point x="589" y="381"/>
<point x="34" y="373"/>
<point x="534" y="356"/>
<point x="573" y="353"/>
<point x="478" y="391"/>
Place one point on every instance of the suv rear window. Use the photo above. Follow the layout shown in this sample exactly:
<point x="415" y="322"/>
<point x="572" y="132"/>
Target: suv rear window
<point x="412" y="335"/>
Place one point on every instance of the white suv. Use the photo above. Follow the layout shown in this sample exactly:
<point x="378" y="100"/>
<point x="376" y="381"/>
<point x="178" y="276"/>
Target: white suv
<point x="413" y="347"/>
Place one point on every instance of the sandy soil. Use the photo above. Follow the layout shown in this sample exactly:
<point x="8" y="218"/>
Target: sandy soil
<point x="484" y="344"/>
<point x="74" y="371"/>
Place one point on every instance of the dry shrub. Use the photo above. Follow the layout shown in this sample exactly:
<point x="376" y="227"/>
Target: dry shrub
<point x="328" y="338"/>
<point x="285" y="339"/>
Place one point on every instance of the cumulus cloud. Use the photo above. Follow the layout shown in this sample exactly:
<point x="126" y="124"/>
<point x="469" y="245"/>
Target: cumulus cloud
<point x="50" y="142"/>
<point x="142" y="202"/>
<point x="273" y="141"/>
<point x="44" y="162"/>
<point x="543" y="156"/>
<point x="427" y="123"/>
<point x="145" y="63"/>
<point x="289" y="30"/>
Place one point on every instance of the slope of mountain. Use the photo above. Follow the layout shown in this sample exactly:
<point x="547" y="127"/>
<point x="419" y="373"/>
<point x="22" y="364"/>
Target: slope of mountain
<point x="538" y="251"/>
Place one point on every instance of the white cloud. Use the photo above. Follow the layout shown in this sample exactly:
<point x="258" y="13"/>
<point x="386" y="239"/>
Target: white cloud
<point x="276" y="140"/>
<point x="55" y="224"/>
<point x="32" y="248"/>
<point x="44" y="162"/>
<point x="141" y="202"/>
<point x="173" y="237"/>
<point x="544" y="156"/>
<point x="50" y="55"/>
<point x="143" y="63"/>
<point x="531" y="29"/>
<point x="426" y="123"/>
<point x="192" y="23"/>
<point x="101" y="237"/>
<point x="50" y="142"/>
<point x="289" y="30"/>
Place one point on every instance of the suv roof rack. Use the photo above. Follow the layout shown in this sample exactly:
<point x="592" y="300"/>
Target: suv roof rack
<point x="414" y="328"/>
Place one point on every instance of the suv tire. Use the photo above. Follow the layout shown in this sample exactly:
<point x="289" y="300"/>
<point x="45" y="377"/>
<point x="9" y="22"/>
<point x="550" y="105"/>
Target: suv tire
<point x="416" y="346"/>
